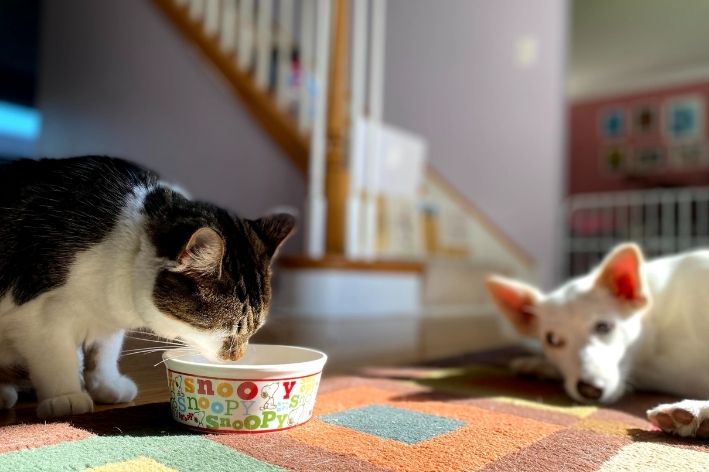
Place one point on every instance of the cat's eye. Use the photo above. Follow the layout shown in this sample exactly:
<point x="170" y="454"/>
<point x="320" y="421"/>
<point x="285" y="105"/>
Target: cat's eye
<point x="603" y="327"/>
<point x="554" y="340"/>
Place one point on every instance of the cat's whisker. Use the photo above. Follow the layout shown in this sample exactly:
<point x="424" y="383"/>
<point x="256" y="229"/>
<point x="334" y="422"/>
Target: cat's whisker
<point x="145" y="351"/>
<point x="175" y="357"/>
<point x="159" y="346"/>
<point x="154" y="338"/>
<point x="169" y="343"/>
<point x="150" y="348"/>
<point x="147" y="333"/>
<point x="140" y="352"/>
<point x="166" y="346"/>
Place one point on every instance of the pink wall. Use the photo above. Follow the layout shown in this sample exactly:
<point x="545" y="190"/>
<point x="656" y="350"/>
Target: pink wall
<point x="586" y="145"/>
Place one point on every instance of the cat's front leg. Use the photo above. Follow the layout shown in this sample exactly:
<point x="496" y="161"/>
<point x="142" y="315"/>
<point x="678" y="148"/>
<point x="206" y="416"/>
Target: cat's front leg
<point x="54" y="371"/>
<point x="688" y="418"/>
<point x="101" y="376"/>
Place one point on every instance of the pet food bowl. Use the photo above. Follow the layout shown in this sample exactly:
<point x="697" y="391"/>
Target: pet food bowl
<point x="271" y="388"/>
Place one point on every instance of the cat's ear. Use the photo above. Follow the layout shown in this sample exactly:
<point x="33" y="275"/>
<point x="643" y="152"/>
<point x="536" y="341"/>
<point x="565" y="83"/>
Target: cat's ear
<point x="274" y="230"/>
<point x="203" y="253"/>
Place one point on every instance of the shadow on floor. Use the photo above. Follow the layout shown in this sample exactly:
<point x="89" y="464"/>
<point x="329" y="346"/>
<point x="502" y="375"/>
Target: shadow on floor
<point x="486" y="381"/>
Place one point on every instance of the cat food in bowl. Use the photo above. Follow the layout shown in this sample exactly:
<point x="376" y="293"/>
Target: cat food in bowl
<point x="271" y="388"/>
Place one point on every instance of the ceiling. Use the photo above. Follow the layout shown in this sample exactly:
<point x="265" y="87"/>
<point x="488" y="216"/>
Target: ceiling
<point x="622" y="44"/>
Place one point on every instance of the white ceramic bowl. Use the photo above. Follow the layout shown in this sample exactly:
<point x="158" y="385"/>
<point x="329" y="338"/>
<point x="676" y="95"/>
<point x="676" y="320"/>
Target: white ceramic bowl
<point x="271" y="388"/>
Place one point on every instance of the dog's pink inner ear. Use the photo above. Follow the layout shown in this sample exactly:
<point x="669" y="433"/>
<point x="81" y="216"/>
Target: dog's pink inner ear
<point x="620" y="275"/>
<point x="516" y="301"/>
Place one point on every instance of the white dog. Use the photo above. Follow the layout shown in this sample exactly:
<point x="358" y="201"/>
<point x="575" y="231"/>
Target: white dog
<point x="628" y="323"/>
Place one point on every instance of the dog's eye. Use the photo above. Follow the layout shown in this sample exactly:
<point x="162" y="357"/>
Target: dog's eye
<point x="554" y="340"/>
<point x="603" y="327"/>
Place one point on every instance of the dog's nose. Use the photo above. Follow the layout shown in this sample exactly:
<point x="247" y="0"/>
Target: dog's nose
<point x="588" y="391"/>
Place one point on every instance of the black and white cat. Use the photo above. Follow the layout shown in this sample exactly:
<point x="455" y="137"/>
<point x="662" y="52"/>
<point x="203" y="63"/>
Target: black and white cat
<point x="93" y="246"/>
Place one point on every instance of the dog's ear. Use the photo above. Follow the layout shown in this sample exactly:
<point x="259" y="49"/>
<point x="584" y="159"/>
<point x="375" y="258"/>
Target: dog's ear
<point x="516" y="300"/>
<point x="621" y="274"/>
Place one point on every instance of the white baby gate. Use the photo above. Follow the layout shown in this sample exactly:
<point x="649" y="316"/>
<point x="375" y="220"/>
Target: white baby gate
<point x="662" y="221"/>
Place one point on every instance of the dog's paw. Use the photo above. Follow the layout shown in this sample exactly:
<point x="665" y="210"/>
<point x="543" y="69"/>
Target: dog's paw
<point x="8" y="396"/>
<point x="535" y="366"/>
<point x="62" y="405"/>
<point x="688" y="418"/>
<point x="116" y="390"/>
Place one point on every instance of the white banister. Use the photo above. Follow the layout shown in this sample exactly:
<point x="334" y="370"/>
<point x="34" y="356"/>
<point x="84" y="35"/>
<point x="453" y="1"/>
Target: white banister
<point x="316" y="204"/>
<point x="196" y="9"/>
<point x="246" y="34"/>
<point x="358" y="84"/>
<point x="375" y="109"/>
<point x="307" y="40"/>
<point x="211" y="17"/>
<point x="227" y="39"/>
<point x="285" y="49"/>
<point x="376" y="66"/>
<point x="264" y="22"/>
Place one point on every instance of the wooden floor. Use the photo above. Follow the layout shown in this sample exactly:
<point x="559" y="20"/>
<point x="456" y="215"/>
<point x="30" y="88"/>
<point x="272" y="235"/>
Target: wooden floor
<point x="151" y="380"/>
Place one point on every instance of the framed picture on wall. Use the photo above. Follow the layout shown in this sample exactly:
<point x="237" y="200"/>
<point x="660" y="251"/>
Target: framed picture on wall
<point x="647" y="160"/>
<point x="645" y="119"/>
<point x="683" y="119"/>
<point x="614" y="160"/>
<point x="613" y="123"/>
<point x="690" y="156"/>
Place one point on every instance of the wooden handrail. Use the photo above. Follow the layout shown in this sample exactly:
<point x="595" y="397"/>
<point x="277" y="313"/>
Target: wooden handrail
<point x="282" y="128"/>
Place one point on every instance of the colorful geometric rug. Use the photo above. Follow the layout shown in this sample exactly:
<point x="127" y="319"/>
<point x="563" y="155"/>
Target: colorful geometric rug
<point x="461" y="415"/>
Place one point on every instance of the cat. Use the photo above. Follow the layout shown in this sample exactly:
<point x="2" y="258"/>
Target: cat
<point x="93" y="246"/>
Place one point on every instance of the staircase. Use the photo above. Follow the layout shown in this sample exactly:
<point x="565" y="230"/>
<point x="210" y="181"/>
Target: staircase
<point x="349" y="293"/>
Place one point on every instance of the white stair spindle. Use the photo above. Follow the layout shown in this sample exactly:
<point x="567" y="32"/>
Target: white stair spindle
<point x="285" y="48"/>
<point x="316" y="204"/>
<point x="307" y="39"/>
<point x="376" y="68"/>
<point x="246" y="34"/>
<point x="196" y="9"/>
<point x="263" y="42"/>
<point x="357" y="96"/>
<point x="376" y="89"/>
<point x="211" y="16"/>
<point x="227" y="39"/>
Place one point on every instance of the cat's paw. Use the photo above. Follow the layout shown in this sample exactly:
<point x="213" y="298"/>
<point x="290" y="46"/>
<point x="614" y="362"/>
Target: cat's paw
<point x="62" y="405"/>
<point x="115" y="390"/>
<point x="535" y="366"/>
<point x="688" y="418"/>
<point x="8" y="396"/>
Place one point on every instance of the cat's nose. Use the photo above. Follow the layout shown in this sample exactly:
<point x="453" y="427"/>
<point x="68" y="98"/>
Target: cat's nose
<point x="588" y="391"/>
<point x="233" y="352"/>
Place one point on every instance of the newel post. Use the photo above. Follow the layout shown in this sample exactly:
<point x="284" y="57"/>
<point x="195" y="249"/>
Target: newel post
<point x="337" y="174"/>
